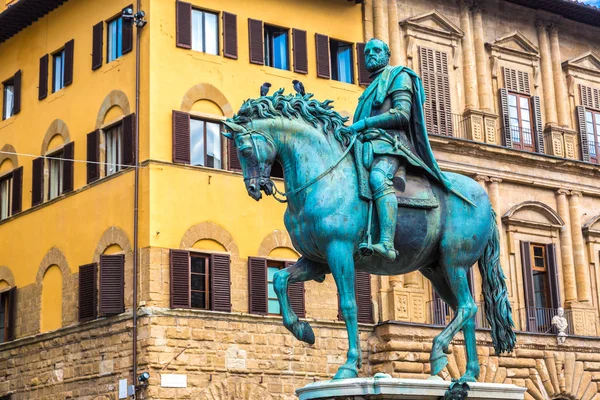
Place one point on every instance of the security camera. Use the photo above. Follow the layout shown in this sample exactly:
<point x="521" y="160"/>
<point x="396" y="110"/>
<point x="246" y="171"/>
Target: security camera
<point x="143" y="378"/>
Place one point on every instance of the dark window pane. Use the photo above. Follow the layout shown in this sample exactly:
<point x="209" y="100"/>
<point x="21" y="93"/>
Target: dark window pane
<point x="198" y="265"/>
<point x="539" y="262"/>
<point x="198" y="300"/>
<point x="276" y="47"/>
<point x="198" y="282"/>
<point x="538" y="251"/>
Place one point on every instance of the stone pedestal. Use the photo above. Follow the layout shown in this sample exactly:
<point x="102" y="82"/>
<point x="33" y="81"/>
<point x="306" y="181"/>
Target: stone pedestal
<point x="387" y="388"/>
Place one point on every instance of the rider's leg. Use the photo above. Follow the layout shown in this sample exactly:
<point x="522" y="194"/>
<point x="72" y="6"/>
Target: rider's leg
<point x="380" y="179"/>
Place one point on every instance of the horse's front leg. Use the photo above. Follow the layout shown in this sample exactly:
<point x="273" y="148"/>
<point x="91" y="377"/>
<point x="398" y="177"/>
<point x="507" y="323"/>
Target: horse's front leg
<point x="341" y="264"/>
<point x="303" y="270"/>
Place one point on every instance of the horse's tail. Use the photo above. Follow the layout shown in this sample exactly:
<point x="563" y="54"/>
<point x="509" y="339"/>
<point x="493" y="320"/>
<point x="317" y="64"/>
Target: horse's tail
<point x="495" y="293"/>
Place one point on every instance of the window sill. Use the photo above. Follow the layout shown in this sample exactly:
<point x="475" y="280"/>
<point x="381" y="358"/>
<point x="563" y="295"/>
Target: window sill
<point x="282" y="73"/>
<point x="200" y="56"/>
<point x="113" y="64"/>
<point x="57" y="95"/>
<point x="349" y="87"/>
<point x="8" y="121"/>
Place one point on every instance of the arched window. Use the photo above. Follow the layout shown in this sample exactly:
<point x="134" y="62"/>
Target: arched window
<point x="7" y="311"/>
<point x="11" y="182"/>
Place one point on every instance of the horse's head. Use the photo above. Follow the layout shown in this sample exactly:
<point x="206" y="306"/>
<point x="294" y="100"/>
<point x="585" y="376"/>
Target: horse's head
<point x="256" y="152"/>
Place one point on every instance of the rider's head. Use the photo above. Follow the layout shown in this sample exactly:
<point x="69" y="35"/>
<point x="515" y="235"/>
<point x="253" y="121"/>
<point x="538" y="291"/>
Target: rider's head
<point x="377" y="55"/>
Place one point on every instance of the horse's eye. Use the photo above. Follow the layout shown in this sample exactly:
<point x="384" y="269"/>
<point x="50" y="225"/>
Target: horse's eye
<point x="246" y="151"/>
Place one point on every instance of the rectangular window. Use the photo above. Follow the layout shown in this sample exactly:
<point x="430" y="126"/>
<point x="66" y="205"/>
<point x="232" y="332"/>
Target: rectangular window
<point x="521" y="128"/>
<point x="205" y="32"/>
<point x="200" y="281"/>
<point x="113" y="142"/>
<point x="114" y="40"/>
<point x="205" y="144"/>
<point x="436" y="81"/>
<point x="58" y="70"/>
<point x="55" y="177"/>
<point x="592" y="125"/>
<point x="5" y="196"/>
<point x="272" y="302"/>
<point x="341" y="61"/>
<point x="3" y="316"/>
<point x="276" y="47"/>
<point x="9" y="99"/>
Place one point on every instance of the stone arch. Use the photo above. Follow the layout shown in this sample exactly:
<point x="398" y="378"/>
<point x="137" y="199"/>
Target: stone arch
<point x="275" y="239"/>
<point x="7" y="275"/>
<point x="209" y="230"/>
<point x="8" y="148"/>
<point x="206" y="91"/>
<point x="57" y="127"/>
<point x="234" y="389"/>
<point x="115" y="98"/>
<point x="533" y="213"/>
<point x="69" y="309"/>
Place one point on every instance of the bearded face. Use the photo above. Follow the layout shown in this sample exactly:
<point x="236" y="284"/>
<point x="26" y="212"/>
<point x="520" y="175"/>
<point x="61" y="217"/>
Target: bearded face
<point x="376" y="55"/>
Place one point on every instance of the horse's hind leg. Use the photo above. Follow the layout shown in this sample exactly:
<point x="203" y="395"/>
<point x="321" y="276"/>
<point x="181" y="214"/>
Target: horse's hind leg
<point x="301" y="271"/>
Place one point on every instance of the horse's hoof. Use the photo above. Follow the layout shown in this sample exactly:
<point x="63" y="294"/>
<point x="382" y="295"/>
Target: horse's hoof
<point x="438" y="364"/>
<point x="346" y="372"/>
<point x="304" y="332"/>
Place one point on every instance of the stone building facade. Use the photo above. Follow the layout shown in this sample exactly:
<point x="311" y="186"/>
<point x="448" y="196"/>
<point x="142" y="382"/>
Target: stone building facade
<point x="478" y="59"/>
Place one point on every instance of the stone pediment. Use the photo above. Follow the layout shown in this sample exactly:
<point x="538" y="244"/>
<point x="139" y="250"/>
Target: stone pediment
<point x="433" y="22"/>
<point x="515" y="43"/>
<point x="533" y="214"/>
<point x="587" y="62"/>
<point x="592" y="227"/>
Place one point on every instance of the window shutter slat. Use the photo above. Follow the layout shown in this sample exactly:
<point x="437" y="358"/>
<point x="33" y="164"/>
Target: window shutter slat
<point x="220" y="290"/>
<point x="362" y="284"/>
<point x="93" y="156"/>
<point x="234" y="160"/>
<point x="537" y="123"/>
<point x="69" y="57"/>
<point x="43" y="83"/>
<point x="444" y="95"/>
<point x="112" y="284"/>
<point x="296" y="296"/>
<point x="17" y="93"/>
<point x="129" y="140"/>
<point x="88" y="292"/>
<point x="583" y="136"/>
<point x="230" y="44"/>
<point x="184" y="24"/>
<point x="322" y="50"/>
<point x="127" y="36"/>
<point x="427" y="78"/>
<point x="300" y="51"/>
<point x="180" y="278"/>
<point x="255" y="41"/>
<point x="364" y="77"/>
<point x="68" y="153"/>
<point x="17" y="190"/>
<point x="257" y="282"/>
<point x="505" y="117"/>
<point x="590" y="97"/>
<point x="97" y="44"/>
<point x="12" y="313"/>
<point x="181" y="137"/>
<point x="528" y="285"/>
<point x="37" y="182"/>
<point x="553" y="275"/>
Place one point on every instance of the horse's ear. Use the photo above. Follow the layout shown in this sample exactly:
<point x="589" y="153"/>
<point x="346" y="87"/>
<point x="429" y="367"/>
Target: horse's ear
<point x="233" y="127"/>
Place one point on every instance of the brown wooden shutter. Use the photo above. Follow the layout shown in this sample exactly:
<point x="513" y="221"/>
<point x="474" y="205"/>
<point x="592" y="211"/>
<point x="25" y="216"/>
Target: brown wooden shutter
<point x="127" y="34"/>
<point x="37" y="182"/>
<point x="17" y="93"/>
<point x="300" y="51"/>
<point x="436" y="81"/>
<point x="93" y="156"/>
<point x="255" y="40"/>
<point x="68" y="153"/>
<point x="505" y="118"/>
<point x="364" y="77"/>
<point x="180" y="278"/>
<point x="88" y="292"/>
<point x="257" y="285"/>
<point x="129" y="140"/>
<point x="220" y="282"/>
<point x="583" y="135"/>
<point x="590" y="97"/>
<point x="296" y="296"/>
<point x="181" y="137"/>
<point x="516" y="81"/>
<point x="537" y="123"/>
<point x="69" y="57"/>
<point x="363" y="297"/>
<point x="428" y="78"/>
<point x="184" y="24"/>
<point x="322" y="53"/>
<point x="43" y="83"/>
<point x="12" y="313"/>
<point x="112" y="284"/>
<point x="234" y="160"/>
<point x="97" y="44"/>
<point x="553" y="275"/>
<point x="530" y="313"/>
<point x="17" y="190"/>
<point x="230" y="44"/>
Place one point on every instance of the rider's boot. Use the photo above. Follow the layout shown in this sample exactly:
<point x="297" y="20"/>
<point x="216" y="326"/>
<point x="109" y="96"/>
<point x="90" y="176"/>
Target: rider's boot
<point x="387" y="212"/>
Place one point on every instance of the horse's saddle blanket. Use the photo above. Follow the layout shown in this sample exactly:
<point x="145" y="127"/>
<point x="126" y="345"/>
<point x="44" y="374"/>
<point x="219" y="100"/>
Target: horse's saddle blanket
<point x="416" y="193"/>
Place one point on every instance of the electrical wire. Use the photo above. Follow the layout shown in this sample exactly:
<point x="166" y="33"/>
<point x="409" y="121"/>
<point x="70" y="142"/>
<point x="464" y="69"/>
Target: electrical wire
<point x="68" y="159"/>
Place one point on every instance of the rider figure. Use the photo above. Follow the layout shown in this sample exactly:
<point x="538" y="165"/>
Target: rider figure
<point x="389" y="117"/>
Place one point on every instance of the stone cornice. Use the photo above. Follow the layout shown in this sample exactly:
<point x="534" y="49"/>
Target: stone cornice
<point x="528" y="50"/>
<point x="447" y="29"/>
<point x="573" y="66"/>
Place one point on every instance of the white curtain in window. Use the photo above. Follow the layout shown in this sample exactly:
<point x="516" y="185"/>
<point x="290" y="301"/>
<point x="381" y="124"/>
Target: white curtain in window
<point x="213" y="145"/>
<point x="4" y="198"/>
<point x="197" y="30"/>
<point x="9" y="91"/>
<point x="197" y="142"/>
<point x="55" y="177"/>
<point x="113" y="150"/>
<point x="211" y="33"/>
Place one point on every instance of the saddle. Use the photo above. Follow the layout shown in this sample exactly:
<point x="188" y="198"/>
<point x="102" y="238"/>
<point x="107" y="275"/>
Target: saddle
<point x="413" y="189"/>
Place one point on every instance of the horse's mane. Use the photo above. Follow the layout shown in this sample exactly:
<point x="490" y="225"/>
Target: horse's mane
<point x="296" y="106"/>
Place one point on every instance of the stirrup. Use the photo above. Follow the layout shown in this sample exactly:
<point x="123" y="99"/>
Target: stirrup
<point x="366" y="249"/>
